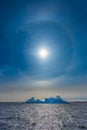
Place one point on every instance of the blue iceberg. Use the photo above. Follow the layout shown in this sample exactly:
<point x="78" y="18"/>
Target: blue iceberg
<point x="50" y="100"/>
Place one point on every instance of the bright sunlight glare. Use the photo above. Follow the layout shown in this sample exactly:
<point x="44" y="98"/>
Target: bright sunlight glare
<point x="43" y="53"/>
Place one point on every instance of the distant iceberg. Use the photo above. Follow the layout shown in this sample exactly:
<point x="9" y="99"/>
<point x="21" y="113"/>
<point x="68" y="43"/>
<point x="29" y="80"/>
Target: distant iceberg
<point x="50" y="100"/>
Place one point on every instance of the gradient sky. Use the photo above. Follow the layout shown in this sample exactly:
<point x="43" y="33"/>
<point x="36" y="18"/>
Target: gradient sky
<point x="60" y="26"/>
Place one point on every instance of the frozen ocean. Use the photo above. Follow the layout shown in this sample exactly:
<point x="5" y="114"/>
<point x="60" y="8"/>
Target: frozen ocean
<point x="20" y="116"/>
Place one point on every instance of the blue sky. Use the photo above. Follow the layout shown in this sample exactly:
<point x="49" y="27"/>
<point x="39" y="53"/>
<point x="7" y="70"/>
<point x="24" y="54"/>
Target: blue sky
<point x="26" y="26"/>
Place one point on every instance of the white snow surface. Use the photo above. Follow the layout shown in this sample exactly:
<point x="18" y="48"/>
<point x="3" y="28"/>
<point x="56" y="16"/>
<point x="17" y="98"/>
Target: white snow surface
<point x="19" y="116"/>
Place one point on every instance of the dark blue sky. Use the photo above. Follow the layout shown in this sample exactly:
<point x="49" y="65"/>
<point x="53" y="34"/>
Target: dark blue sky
<point x="60" y="26"/>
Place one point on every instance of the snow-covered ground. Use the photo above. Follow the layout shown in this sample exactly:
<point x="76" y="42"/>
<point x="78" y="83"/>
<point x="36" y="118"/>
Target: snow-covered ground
<point x="43" y="116"/>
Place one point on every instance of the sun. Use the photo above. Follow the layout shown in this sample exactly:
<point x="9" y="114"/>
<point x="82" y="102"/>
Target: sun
<point x="43" y="53"/>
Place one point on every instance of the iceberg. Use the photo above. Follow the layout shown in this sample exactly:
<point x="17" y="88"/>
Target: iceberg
<point x="50" y="100"/>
